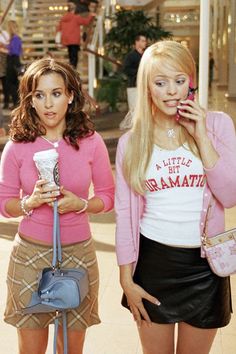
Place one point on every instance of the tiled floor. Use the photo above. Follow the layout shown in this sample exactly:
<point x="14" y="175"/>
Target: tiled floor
<point x="117" y="333"/>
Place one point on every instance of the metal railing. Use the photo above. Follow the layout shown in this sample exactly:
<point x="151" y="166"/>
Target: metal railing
<point x="14" y="10"/>
<point x="95" y="48"/>
<point x="6" y="10"/>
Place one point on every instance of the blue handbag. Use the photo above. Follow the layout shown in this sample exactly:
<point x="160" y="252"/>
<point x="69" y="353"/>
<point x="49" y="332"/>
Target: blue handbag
<point x="59" y="289"/>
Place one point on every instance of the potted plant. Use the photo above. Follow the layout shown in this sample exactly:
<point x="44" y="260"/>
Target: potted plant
<point x="126" y="25"/>
<point x="111" y="87"/>
<point x="118" y="42"/>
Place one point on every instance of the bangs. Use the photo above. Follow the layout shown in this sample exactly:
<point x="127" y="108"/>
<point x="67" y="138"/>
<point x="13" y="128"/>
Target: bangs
<point x="171" y="56"/>
<point x="163" y="63"/>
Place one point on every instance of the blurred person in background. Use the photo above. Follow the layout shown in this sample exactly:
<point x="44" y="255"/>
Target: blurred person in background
<point x="130" y="68"/>
<point x="132" y="60"/>
<point x="212" y="66"/>
<point x="14" y="51"/>
<point x="69" y="26"/>
<point x="4" y="41"/>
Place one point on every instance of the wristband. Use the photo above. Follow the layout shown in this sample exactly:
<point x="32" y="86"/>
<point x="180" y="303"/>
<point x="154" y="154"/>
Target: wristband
<point x="85" y="206"/>
<point x="22" y="205"/>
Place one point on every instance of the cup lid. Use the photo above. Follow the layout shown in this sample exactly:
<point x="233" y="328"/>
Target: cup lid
<point x="45" y="154"/>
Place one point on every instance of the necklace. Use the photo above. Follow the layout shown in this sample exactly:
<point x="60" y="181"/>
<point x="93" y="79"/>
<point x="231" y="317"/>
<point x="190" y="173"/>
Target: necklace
<point x="171" y="133"/>
<point x="55" y="143"/>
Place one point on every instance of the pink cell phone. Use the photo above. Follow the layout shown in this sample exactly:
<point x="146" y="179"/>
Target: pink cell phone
<point x="191" y="96"/>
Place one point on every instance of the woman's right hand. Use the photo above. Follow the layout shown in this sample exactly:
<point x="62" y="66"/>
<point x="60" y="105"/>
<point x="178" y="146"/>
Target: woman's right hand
<point x="135" y="294"/>
<point x="41" y="194"/>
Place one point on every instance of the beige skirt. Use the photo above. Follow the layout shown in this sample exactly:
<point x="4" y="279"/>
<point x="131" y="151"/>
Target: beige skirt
<point x="26" y="261"/>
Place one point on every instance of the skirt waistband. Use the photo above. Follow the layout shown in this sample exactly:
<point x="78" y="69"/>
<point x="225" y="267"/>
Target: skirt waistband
<point x="25" y="241"/>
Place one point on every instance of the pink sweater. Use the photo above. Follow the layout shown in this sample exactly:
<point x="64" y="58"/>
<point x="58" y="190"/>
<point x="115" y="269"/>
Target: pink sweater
<point x="77" y="169"/>
<point x="220" y="190"/>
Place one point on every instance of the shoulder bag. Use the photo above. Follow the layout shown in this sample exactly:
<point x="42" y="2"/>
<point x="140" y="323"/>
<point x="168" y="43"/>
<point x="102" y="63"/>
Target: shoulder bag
<point x="59" y="289"/>
<point x="220" y="250"/>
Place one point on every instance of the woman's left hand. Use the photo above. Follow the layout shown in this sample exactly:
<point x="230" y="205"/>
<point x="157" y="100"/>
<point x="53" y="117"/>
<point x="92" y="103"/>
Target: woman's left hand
<point x="69" y="202"/>
<point x="193" y="118"/>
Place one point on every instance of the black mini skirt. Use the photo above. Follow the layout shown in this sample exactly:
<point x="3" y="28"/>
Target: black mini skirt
<point x="184" y="284"/>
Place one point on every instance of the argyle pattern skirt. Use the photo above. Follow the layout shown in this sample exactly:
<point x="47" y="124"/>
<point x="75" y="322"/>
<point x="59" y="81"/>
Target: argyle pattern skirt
<point x="26" y="261"/>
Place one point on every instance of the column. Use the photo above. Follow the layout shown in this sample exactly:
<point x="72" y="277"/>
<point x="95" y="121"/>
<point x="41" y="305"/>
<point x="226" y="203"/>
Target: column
<point x="232" y="52"/>
<point x="204" y="52"/>
<point x="100" y="44"/>
<point x="214" y="36"/>
<point x="223" y="44"/>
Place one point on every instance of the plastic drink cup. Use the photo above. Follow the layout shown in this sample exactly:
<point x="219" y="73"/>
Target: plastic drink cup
<point x="47" y="165"/>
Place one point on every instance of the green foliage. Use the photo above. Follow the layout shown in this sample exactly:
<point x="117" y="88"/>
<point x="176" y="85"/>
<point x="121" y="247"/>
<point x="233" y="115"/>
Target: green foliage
<point x="110" y="89"/>
<point x="126" y="24"/>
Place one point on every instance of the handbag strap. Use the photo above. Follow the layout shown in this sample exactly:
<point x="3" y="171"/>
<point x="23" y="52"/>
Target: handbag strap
<point x="56" y="262"/>
<point x="57" y="253"/>
<point x="205" y="228"/>
<point x="65" y="339"/>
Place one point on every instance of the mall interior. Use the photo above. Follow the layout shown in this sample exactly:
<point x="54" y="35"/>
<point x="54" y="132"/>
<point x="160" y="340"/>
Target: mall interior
<point x="37" y="19"/>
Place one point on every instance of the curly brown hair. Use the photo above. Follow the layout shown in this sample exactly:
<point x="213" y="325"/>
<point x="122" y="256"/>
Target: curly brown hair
<point x="26" y="125"/>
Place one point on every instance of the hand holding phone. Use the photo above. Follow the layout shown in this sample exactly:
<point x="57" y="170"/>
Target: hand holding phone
<point x="191" y="96"/>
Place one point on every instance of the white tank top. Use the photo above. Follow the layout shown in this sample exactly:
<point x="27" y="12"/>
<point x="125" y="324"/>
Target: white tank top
<point x="173" y="199"/>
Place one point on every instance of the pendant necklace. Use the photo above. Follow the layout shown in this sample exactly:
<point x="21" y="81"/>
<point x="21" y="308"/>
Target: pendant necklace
<point x="55" y="144"/>
<point x="171" y="133"/>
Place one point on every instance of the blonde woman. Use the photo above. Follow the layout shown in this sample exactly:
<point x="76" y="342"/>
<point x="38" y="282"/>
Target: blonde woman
<point x="14" y="50"/>
<point x="175" y="162"/>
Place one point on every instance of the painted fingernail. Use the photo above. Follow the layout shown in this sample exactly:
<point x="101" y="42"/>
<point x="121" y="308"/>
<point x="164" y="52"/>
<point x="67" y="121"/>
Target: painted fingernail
<point x="157" y="303"/>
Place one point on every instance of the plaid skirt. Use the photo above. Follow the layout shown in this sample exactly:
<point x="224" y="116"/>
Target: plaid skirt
<point x="26" y="261"/>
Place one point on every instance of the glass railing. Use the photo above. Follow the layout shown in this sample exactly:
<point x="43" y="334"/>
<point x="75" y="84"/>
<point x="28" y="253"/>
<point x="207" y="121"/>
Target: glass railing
<point x="171" y="18"/>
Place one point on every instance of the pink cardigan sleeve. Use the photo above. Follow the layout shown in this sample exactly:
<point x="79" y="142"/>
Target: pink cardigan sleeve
<point x="222" y="177"/>
<point x="125" y="247"/>
<point x="9" y="177"/>
<point x="102" y="174"/>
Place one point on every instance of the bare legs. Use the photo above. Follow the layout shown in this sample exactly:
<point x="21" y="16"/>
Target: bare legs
<point x="32" y="340"/>
<point x="159" y="339"/>
<point x="75" y="341"/>
<point x="194" y="340"/>
<point x="35" y="341"/>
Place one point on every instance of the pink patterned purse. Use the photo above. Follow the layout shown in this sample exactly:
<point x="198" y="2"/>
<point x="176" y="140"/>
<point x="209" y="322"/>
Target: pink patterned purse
<point x="220" y="252"/>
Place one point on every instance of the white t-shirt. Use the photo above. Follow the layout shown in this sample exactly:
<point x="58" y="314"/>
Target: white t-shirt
<point x="173" y="200"/>
<point x="4" y="37"/>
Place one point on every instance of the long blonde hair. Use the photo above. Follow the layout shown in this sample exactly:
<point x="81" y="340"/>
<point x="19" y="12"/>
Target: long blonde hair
<point x="140" y="144"/>
<point x="12" y="28"/>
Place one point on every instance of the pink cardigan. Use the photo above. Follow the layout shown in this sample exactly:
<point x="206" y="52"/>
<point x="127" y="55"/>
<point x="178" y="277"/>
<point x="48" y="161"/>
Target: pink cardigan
<point x="220" y="189"/>
<point x="77" y="170"/>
